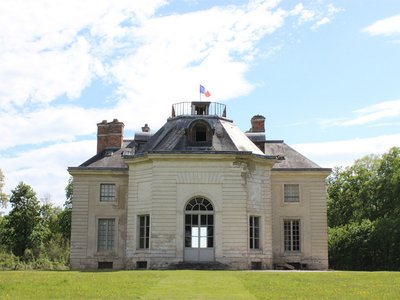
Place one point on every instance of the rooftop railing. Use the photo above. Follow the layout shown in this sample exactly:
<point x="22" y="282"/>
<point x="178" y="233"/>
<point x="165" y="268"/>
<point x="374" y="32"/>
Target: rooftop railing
<point x="199" y="108"/>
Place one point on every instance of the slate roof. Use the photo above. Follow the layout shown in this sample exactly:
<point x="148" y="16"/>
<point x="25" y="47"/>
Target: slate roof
<point x="227" y="138"/>
<point x="293" y="159"/>
<point x="109" y="158"/>
<point x="172" y="137"/>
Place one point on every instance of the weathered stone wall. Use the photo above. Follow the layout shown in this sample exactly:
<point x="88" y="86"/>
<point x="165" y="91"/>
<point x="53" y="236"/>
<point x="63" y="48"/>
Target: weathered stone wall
<point x="237" y="188"/>
<point x="310" y="210"/>
<point x="87" y="209"/>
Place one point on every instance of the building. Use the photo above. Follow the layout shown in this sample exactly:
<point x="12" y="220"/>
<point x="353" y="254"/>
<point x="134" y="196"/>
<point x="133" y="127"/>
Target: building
<point x="197" y="191"/>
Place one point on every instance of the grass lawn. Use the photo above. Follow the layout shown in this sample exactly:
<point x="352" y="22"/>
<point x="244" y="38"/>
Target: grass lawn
<point x="198" y="285"/>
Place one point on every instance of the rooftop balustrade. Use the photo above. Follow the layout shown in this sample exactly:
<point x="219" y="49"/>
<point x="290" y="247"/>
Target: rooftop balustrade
<point x="198" y="108"/>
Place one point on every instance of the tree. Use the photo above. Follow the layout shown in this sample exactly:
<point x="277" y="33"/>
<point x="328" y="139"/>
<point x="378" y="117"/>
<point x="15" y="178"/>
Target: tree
<point x="23" y="222"/>
<point x="352" y="192"/>
<point x="363" y="209"/>
<point x="65" y="215"/>
<point x="3" y="196"/>
<point x="388" y="188"/>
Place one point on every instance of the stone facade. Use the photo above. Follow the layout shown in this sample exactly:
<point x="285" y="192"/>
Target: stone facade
<point x="133" y="205"/>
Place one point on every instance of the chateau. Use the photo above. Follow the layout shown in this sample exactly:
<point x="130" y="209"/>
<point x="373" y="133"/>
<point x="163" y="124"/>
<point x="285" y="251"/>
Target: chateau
<point x="197" y="191"/>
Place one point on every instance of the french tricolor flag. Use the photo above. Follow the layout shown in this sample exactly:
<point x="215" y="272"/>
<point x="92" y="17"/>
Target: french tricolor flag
<point x="204" y="91"/>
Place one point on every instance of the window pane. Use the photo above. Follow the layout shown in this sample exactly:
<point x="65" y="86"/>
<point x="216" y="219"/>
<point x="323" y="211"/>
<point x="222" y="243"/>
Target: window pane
<point x="199" y="204"/>
<point x="203" y="231"/>
<point x="107" y="192"/>
<point x="203" y="220"/>
<point x="105" y="235"/>
<point x="254" y="232"/>
<point x="291" y="235"/>
<point x="144" y="231"/>
<point x="187" y="231"/>
<point x="256" y="222"/>
<point x="256" y="244"/>
<point x="203" y="242"/>
<point x="195" y="242"/>
<point x="291" y="192"/>
<point x="210" y="242"/>
<point x="195" y="231"/>
<point x="210" y="230"/>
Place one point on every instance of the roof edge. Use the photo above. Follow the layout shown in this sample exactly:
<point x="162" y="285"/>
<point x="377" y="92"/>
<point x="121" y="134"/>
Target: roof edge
<point x="302" y="169"/>
<point x="97" y="169"/>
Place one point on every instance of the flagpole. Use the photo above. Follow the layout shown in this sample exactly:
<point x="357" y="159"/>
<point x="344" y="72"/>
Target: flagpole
<point x="200" y="90"/>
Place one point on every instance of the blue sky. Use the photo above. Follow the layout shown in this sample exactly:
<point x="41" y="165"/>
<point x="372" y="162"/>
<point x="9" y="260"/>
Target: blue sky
<point x="325" y="74"/>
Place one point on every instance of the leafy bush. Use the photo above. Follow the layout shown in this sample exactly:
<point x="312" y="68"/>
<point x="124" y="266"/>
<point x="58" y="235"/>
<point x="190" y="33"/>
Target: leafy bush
<point x="365" y="246"/>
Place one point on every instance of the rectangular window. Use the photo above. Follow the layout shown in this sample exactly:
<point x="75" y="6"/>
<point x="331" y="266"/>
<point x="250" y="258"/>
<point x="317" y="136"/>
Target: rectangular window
<point x="292" y="193"/>
<point x="144" y="231"/>
<point x="254" y="232"/>
<point x="291" y="229"/>
<point x="107" y="192"/>
<point x="106" y="234"/>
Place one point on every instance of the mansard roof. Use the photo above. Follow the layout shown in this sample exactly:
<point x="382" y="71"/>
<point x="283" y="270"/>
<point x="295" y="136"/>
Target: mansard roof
<point x="175" y="137"/>
<point x="217" y="135"/>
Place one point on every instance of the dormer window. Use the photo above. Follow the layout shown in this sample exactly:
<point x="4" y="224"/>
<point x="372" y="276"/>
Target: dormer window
<point x="200" y="134"/>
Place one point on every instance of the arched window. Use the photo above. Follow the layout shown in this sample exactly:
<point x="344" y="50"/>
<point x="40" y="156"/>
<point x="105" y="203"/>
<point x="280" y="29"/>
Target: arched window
<point x="200" y="134"/>
<point x="199" y="203"/>
<point x="199" y="226"/>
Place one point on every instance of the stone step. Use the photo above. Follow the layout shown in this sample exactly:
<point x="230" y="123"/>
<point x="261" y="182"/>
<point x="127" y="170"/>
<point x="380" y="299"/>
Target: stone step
<point x="199" y="266"/>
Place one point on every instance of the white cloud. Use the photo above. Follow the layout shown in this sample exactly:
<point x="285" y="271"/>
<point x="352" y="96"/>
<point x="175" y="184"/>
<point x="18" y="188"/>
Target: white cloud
<point x="343" y="153"/>
<point x="45" y="169"/>
<point x="45" y="51"/>
<point x="369" y="114"/>
<point x="165" y="58"/>
<point x="388" y="26"/>
<point x="314" y="14"/>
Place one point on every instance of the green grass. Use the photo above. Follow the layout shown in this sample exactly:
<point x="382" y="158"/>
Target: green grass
<point x="198" y="285"/>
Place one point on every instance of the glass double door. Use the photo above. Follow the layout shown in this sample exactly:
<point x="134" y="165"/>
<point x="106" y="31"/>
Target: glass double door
<point x="199" y="237"/>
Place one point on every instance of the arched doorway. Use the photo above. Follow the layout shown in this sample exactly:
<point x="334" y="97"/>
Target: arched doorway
<point x="199" y="230"/>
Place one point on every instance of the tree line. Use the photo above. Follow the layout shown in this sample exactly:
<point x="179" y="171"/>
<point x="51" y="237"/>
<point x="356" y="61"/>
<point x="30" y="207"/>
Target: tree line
<point x="364" y="214"/>
<point x="34" y="235"/>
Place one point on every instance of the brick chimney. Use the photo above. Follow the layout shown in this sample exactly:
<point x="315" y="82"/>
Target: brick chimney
<point x="257" y="124"/>
<point x="146" y="128"/>
<point x="109" y="135"/>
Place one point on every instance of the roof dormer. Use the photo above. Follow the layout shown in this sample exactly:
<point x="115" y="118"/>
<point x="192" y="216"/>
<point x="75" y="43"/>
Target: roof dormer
<point x="199" y="133"/>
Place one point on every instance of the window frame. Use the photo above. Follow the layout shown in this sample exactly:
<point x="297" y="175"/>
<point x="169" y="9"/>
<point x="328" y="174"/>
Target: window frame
<point x="108" y="197"/>
<point x="199" y="224"/>
<point x="289" y="198"/>
<point x="110" y="239"/>
<point x="199" y="133"/>
<point x="254" y="232"/>
<point x="292" y="235"/>
<point x="145" y="234"/>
